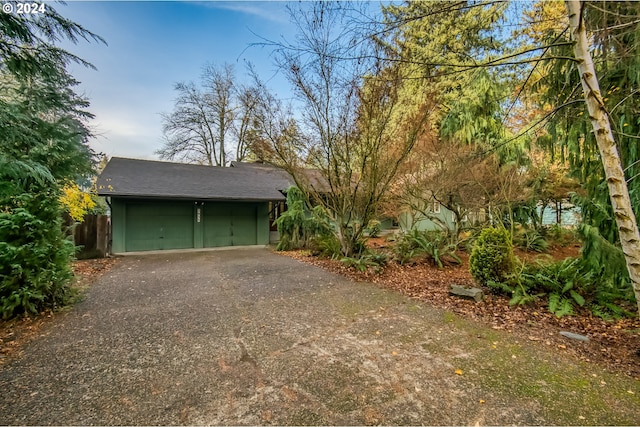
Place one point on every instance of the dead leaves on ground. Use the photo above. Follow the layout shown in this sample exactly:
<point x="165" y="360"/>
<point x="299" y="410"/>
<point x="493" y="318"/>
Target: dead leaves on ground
<point x="16" y="332"/>
<point x="613" y="344"/>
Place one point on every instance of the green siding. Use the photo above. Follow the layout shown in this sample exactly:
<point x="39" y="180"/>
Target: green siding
<point x="118" y="225"/>
<point x="139" y="225"/>
<point x="262" y="222"/>
<point x="418" y="222"/>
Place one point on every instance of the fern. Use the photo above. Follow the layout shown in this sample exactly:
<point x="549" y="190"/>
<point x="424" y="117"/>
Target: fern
<point x="501" y="287"/>
<point x="560" y="306"/>
<point x="368" y="261"/>
<point x="430" y="245"/>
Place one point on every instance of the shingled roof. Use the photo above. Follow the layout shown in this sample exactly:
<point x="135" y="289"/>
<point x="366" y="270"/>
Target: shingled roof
<point x="153" y="179"/>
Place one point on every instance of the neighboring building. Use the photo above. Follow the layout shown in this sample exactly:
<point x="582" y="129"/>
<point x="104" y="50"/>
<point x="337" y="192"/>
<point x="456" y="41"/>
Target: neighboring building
<point x="160" y="205"/>
<point x="440" y="218"/>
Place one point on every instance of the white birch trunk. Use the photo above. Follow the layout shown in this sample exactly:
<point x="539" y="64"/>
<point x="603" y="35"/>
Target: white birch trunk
<point x="618" y="191"/>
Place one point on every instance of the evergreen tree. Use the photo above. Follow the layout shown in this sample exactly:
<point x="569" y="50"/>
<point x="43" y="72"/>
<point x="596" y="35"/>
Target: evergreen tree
<point x="43" y="146"/>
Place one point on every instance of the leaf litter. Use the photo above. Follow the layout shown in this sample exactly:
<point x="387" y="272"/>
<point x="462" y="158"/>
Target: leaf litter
<point x="614" y="345"/>
<point x="17" y="332"/>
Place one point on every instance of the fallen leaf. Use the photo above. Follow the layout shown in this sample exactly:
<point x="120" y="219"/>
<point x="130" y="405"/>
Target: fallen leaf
<point x="425" y="283"/>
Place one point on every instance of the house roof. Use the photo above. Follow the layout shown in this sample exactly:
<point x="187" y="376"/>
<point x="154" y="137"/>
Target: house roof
<point x="154" y="179"/>
<point x="312" y="178"/>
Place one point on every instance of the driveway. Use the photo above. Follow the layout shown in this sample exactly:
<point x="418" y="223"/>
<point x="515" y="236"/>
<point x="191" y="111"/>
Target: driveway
<point x="251" y="337"/>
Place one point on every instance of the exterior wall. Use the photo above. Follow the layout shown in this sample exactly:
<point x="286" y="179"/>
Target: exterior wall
<point x="118" y="226"/>
<point x="262" y="219"/>
<point x="251" y="218"/>
<point x="445" y="218"/>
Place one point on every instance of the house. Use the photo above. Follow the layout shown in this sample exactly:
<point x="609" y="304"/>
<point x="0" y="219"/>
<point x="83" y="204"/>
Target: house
<point x="160" y="205"/>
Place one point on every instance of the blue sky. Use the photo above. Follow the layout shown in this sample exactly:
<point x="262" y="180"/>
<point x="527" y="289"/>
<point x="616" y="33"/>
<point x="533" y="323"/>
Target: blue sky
<point x="152" y="46"/>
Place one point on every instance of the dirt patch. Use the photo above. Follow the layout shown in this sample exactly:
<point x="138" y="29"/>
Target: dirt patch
<point x="613" y="344"/>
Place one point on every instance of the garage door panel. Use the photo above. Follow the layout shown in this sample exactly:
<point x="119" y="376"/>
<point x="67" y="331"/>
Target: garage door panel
<point x="160" y="225"/>
<point x="157" y="226"/>
<point x="217" y="230"/>
<point x="229" y="224"/>
<point x="244" y="226"/>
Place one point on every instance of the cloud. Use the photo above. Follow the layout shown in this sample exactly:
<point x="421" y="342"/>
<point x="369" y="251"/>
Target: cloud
<point x="273" y="11"/>
<point x="120" y="134"/>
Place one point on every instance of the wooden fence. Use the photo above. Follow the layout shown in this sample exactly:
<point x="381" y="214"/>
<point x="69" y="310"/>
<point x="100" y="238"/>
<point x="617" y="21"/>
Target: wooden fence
<point x="92" y="235"/>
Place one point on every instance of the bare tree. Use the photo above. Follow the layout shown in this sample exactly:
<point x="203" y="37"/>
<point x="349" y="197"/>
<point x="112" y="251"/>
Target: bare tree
<point x="210" y="124"/>
<point x="456" y="177"/>
<point x="189" y="131"/>
<point x="244" y="129"/>
<point x="218" y="96"/>
<point x="355" y="132"/>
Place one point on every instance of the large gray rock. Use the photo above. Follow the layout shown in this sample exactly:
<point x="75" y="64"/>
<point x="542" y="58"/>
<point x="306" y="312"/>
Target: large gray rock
<point x="574" y="336"/>
<point x="473" y="293"/>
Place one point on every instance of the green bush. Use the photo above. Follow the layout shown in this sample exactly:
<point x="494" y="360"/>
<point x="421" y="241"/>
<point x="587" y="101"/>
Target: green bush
<point x="327" y="245"/>
<point x="492" y="257"/>
<point x="559" y="235"/>
<point x="34" y="255"/>
<point x="567" y="285"/>
<point x="373" y="228"/>
<point x="298" y="227"/>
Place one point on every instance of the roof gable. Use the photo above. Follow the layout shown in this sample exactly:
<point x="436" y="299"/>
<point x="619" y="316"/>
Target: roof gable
<point x="154" y="179"/>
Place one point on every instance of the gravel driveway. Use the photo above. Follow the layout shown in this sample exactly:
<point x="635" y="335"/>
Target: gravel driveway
<point x="251" y="337"/>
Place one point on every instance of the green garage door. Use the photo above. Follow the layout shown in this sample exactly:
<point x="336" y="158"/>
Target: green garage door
<point x="156" y="225"/>
<point x="230" y="224"/>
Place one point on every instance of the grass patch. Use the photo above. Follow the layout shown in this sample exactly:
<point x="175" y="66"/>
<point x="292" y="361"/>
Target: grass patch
<point x="569" y="393"/>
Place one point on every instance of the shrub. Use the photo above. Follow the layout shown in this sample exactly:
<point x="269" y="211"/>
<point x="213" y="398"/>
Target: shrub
<point x="568" y="284"/>
<point x="559" y="235"/>
<point x="298" y="227"/>
<point x="430" y="245"/>
<point x="34" y="254"/>
<point x="327" y="245"/>
<point x="492" y="257"/>
<point x="530" y="239"/>
<point x="373" y="228"/>
<point x="369" y="260"/>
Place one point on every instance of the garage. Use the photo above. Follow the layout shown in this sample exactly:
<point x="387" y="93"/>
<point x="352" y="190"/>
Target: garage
<point x="158" y="226"/>
<point x="227" y="224"/>
<point x="165" y="206"/>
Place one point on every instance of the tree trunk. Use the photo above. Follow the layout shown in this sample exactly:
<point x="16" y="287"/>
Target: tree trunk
<point x="618" y="191"/>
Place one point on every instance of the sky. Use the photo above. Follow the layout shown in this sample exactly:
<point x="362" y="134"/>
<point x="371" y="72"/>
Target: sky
<point x="151" y="46"/>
